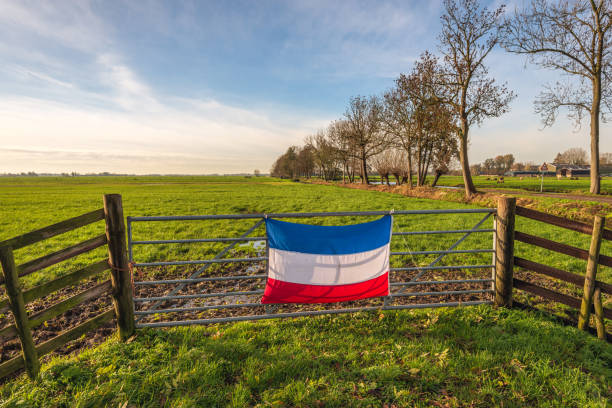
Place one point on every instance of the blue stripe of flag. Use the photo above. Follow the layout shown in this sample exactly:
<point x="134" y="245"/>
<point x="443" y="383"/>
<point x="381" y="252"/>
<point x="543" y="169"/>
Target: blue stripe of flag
<point x="328" y="240"/>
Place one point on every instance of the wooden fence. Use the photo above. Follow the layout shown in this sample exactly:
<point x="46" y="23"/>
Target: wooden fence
<point x="592" y="288"/>
<point x="119" y="285"/>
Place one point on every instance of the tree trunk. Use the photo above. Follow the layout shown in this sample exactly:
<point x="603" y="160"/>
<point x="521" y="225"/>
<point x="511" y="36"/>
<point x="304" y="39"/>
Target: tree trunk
<point x="463" y="158"/>
<point x="419" y="162"/>
<point x="364" y="170"/>
<point x="410" y="167"/>
<point x="595" y="108"/>
<point x="436" y="178"/>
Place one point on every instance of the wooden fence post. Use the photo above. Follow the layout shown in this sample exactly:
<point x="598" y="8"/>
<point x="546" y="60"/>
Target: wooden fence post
<point x="17" y="304"/>
<point x="599" y="314"/>
<point x="121" y="276"/>
<point x="591" y="273"/>
<point x="504" y="252"/>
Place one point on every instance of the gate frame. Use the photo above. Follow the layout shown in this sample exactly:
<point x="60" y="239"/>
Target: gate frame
<point x="269" y="314"/>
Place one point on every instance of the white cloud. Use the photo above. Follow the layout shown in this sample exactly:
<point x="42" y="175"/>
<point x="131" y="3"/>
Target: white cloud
<point x="200" y="137"/>
<point x="106" y="118"/>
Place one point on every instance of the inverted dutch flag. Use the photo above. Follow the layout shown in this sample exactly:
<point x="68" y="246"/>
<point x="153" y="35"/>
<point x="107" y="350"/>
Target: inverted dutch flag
<point x="324" y="264"/>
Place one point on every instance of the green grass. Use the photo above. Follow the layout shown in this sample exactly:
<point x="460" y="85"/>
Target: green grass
<point x="477" y="356"/>
<point x="492" y="356"/>
<point x="551" y="184"/>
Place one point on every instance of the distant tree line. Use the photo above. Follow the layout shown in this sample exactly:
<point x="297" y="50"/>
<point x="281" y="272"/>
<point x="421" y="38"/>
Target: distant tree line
<point x="424" y="121"/>
<point x="499" y="165"/>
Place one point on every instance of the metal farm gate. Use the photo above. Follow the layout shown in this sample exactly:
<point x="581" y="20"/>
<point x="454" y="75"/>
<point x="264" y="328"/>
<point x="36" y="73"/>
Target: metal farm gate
<point x="220" y="289"/>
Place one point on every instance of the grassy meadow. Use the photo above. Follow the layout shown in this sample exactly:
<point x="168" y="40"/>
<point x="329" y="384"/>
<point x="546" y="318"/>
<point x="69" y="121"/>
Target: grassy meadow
<point x="479" y="356"/>
<point x="551" y="184"/>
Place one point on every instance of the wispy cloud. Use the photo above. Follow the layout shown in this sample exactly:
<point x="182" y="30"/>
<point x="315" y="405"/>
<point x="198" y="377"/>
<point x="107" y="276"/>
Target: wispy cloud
<point x="107" y="117"/>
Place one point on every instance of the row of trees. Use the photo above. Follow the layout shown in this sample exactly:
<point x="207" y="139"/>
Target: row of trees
<point x="429" y="113"/>
<point x="404" y="133"/>
<point x="497" y="165"/>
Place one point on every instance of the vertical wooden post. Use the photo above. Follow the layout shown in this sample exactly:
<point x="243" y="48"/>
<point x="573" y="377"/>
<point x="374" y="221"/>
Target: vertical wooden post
<point x="121" y="276"/>
<point x="599" y="316"/>
<point x="591" y="273"/>
<point x="17" y="304"/>
<point x="504" y="252"/>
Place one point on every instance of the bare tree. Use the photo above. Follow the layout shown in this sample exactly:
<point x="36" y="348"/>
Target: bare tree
<point x="503" y="163"/>
<point x="397" y="120"/>
<point x="363" y="117"/>
<point x="443" y="157"/>
<point x="286" y="165"/>
<point x="324" y="154"/>
<point x="574" y="38"/>
<point x="383" y="164"/>
<point x="575" y="155"/>
<point x="338" y="133"/>
<point x="605" y="159"/>
<point x="306" y="161"/>
<point x="432" y="121"/>
<point x="469" y="33"/>
<point x="400" y="167"/>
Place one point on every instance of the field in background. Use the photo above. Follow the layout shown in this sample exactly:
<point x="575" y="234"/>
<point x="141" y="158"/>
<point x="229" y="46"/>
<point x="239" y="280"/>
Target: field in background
<point x="551" y="184"/>
<point x="484" y="357"/>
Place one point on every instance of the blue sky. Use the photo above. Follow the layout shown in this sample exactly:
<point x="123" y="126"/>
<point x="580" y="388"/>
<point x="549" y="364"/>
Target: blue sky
<point x="221" y="86"/>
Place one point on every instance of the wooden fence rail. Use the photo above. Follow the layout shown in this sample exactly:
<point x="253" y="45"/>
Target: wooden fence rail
<point x="560" y="222"/>
<point x="592" y="288"/>
<point x="119" y="286"/>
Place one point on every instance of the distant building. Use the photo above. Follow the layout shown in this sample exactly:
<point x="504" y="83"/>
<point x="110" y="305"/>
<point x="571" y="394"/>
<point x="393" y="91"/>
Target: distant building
<point x="560" y="170"/>
<point x="571" y="170"/>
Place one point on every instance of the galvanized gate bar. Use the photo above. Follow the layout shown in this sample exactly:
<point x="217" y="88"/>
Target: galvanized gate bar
<point x="190" y="241"/>
<point x="471" y="231"/>
<point x="446" y="252"/>
<point x="197" y="280"/>
<point x="441" y="282"/>
<point x="198" y="308"/>
<point x="259" y="292"/>
<point x="441" y="293"/>
<point x="199" y="271"/>
<point x="435" y="268"/>
<point x="310" y="313"/>
<point x="459" y="241"/>
<point x="308" y="215"/>
<point x="198" y="295"/>
<point x="202" y="261"/>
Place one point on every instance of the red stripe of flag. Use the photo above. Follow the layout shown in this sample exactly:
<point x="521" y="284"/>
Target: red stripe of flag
<point x="287" y="292"/>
